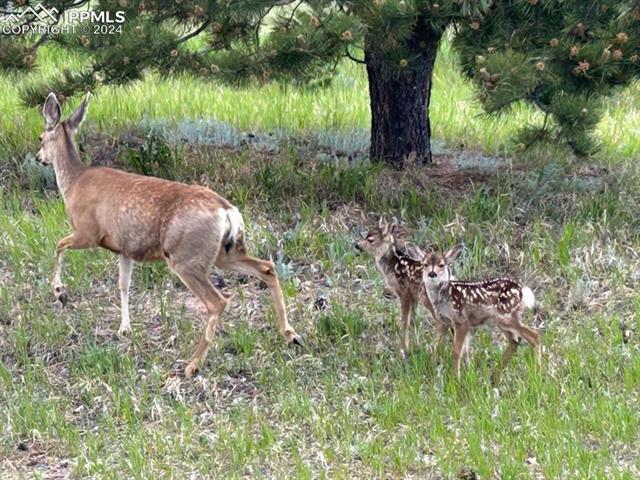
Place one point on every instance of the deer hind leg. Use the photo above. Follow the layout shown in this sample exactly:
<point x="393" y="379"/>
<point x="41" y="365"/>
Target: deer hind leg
<point x="530" y="336"/>
<point x="72" y="241"/>
<point x="196" y="280"/>
<point x="126" y="266"/>
<point x="532" y="339"/>
<point x="512" y="345"/>
<point x="265" y="271"/>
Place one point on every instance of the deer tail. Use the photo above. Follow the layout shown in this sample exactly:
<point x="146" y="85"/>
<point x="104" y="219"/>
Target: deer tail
<point x="528" y="298"/>
<point x="234" y="230"/>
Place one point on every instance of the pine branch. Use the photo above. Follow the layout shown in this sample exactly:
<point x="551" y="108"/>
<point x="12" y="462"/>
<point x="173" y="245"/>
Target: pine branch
<point x="350" y="57"/>
<point x="195" y="33"/>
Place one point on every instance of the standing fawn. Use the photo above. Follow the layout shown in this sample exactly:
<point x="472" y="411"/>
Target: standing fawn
<point x="400" y="265"/>
<point x="146" y="219"/>
<point x="466" y="305"/>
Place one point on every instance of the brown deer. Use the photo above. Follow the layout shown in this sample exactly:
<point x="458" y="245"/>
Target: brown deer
<point x="147" y="219"/>
<point x="400" y="265"/>
<point x="467" y="305"/>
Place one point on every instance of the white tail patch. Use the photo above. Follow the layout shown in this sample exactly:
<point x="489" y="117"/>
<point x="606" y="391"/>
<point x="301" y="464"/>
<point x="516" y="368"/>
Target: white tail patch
<point x="235" y="227"/>
<point x="528" y="298"/>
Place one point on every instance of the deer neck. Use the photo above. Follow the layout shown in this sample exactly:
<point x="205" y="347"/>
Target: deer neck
<point x="67" y="163"/>
<point x="436" y="293"/>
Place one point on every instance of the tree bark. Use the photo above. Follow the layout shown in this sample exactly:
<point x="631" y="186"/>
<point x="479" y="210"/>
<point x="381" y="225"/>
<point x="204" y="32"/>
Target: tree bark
<point x="400" y="128"/>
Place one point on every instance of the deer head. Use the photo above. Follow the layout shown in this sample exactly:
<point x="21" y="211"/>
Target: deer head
<point x="379" y="240"/>
<point x="56" y="133"/>
<point x="436" y="269"/>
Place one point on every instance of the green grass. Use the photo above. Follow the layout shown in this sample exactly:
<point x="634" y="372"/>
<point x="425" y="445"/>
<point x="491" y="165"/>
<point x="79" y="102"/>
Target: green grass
<point x="349" y="405"/>
<point x="76" y="401"/>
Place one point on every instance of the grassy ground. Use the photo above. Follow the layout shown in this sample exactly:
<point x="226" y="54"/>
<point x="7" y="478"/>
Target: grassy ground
<point x="76" y="401"/>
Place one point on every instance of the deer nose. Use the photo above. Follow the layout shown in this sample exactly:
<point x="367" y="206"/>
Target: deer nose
<point x="432" y="274"/>
<point x="357" y="246"/>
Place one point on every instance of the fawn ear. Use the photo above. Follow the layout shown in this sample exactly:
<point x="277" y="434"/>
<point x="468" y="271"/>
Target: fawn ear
<point x="76" y="119"/>
<point x="51" y="111"/>
<point x="384" y="226"/>
<point x="454" y="253"/>
<point x="398" y="231"/>
<point x="429" y="251"/>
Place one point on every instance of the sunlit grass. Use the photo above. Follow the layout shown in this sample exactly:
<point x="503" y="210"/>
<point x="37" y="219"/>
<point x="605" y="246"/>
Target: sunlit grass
<point x="457" y="119"/>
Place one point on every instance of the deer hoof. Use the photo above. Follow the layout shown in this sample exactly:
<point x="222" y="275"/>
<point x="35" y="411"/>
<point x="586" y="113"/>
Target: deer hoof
<point x="124" y="331"/>
<point x="190" y="370"/>
<point x="297" y="340"/>
<point x="63" y="298"/>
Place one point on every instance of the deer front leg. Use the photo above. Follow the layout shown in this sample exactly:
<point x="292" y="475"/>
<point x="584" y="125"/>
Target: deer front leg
<point x="405" y="322"/>
<point x="72" y="241"/>
<point x="460" y="332"/>
<point x="126" y="267"/>
<point x="442" y="330"/>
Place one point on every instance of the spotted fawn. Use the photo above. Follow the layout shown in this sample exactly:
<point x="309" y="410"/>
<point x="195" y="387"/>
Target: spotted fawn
<point x="466" y="305"/>
<point x="400" y="265"/>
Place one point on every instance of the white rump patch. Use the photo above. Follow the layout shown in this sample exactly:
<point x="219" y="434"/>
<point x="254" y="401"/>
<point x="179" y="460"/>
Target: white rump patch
<point x="528" y="298"/>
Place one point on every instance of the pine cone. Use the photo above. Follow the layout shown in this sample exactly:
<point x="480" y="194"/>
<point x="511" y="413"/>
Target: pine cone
<point x="622" y="38"/>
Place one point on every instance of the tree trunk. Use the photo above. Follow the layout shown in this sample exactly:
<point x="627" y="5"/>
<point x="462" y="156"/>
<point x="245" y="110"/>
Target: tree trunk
<point x="400" y="128"/>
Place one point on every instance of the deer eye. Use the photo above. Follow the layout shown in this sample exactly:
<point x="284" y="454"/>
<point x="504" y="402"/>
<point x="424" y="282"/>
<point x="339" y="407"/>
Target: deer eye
<point x="441" y="265"/>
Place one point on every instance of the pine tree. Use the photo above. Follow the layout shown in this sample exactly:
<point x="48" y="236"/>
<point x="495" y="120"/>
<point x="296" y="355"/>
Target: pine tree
<point x="563" y="56"/>
<point x="507" y="46"/>
<point x="272" y="40"/>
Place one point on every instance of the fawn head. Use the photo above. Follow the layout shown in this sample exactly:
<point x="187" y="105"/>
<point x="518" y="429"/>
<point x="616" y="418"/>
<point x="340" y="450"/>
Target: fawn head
<point x="379" y="240"/>
<point x="56" y="133"/>
<point x="436" y="268"/>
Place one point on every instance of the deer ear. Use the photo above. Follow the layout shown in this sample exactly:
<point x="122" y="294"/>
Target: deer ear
<point x="384" y="226"/>
<point x="454" y="253"/>
<point x="51" y="111"/>
<point x="398" y="231"/>
<point x="426" y="257"/>
<point x="76" y="119"/>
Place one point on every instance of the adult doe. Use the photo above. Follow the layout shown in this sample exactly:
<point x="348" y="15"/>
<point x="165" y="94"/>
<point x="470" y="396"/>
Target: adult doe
<point x="146" y="219"/>
<point x="466" y="305"/>
<point x="400" y="265"/>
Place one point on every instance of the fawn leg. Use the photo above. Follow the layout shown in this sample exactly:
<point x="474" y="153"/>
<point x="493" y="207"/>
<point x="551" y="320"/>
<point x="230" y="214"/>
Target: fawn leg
<point x="512" y="345"/>
<point x="460" y="332"/>
<point x="532" y="338"/>
<point x="406" y="307"/>
<point x="442" y="330"/>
